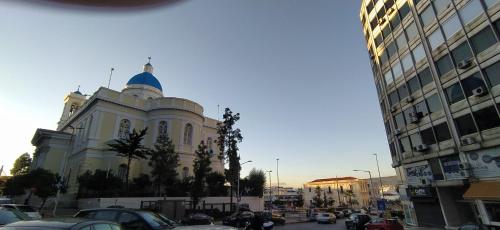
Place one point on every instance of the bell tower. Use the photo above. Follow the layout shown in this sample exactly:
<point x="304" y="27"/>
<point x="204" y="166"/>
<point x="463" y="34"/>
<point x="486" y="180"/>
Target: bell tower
<point x="72" y="102"/>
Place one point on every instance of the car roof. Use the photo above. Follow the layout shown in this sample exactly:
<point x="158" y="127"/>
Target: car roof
<point x="64" y="223"/>
<point x="205" y="227"/>
<point x="17" y="205"/>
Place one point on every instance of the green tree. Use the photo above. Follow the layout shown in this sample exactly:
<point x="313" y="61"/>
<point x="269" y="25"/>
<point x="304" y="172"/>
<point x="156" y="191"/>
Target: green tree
<point x="331" y="202"/>
<point x="98" y="184"/>
<point x="131" y="148"/>
<point x="21" y="165"/>
<point x="15" y="185"/>
<point x="44" y="184"/>
<point x="325" y="200"/>
<point x="317" y="201"/>
<point x="215" y="184"/>
<point x="228" y="140"/>
<point x="300" y="201"/>
<point x="201" y="168"/>
<point x="349" y="194"/>
<point x="256" y="182"/>
<point x="141" y="185"/>
<point x="164" y="162"/>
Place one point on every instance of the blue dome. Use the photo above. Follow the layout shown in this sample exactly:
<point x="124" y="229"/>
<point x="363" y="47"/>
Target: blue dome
<point x="145" y="78"/>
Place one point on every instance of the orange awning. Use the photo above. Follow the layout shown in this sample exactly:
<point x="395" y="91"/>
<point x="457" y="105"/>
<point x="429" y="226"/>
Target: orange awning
<point x="483" y="191"/>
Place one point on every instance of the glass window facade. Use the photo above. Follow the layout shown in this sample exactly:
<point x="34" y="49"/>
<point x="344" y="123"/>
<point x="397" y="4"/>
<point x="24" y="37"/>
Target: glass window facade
<point x="411" y="31"/>
<point x="471" y="83"/>
<point x="461" y="53"/>
<point x="444" y="65"/>
<point x="483" y="40"/>
<point x="493" y="74"/>
<point x="427" y="16"/>
<point x="454" y="93"/>
<point x="414" y="85"/>
<point x="436" y="39"/>
<point x="451" y="26"/>
<point x="425" y="76"/>
<point x="434" y="103"/>
<point x="487" y="118"/>
<point x="470" y="11"/>
<point x="441" y="5"/>
<point x="442" y="132"/>
<point x="418" y="53"/>
<point x="465" y="125"/>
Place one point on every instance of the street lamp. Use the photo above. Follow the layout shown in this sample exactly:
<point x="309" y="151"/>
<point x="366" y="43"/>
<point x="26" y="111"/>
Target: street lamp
<point x="270" y="191"/>
<point x="62" y="168"/>
<point x="278" y="178"/>
<point x="238" y="198"/>
<point x="379" y="177"/>
<point x="371" y="182"/>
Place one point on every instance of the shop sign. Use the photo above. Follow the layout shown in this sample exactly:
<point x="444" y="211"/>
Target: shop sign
<point x="484" y="163"/>
<point x="420" y="192"/>
<point x="420" y="174"/>
<point x="451" y="167"/>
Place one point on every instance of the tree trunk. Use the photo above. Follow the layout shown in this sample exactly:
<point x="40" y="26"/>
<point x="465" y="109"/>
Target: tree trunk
<point x="128" y="171"/>
<point x="43" y="204"/>
<point x="27" y="200"/>
<point x="231" y="196"/>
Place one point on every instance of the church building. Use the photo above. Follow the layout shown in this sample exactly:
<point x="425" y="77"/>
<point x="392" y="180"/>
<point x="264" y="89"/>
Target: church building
<point x="89" y="122"/>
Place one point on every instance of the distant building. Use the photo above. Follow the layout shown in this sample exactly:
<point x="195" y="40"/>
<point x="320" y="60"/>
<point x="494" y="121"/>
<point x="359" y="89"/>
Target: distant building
<point x="287" y="195"/>
<point x="88" y="124"/>
<point x="338" y="189"/>
<point x="390" y="187"/>
<point x="436" y="69"/>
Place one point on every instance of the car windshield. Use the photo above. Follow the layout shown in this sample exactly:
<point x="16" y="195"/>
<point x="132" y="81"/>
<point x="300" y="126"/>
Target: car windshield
<point x="7" y="217"/>
<point x="353" y="216"/>
<point x="325" y="215"/>
<point x="25" y="208"/>
<point x="156" y="220"/>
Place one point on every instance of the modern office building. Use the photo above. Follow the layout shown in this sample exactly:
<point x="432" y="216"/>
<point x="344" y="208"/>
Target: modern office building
<point x="436" y="66"/>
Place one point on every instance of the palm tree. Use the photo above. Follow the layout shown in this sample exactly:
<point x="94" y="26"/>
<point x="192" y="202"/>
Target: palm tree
<point x="131" y="148"/>
<point x="350" y="194"/>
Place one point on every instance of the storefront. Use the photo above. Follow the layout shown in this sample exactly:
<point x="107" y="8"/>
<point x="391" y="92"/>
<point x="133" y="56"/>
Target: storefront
<point x="485" y="196"/>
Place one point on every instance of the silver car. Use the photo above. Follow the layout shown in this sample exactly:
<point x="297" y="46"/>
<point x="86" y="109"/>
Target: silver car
<point x="26" y="209"/>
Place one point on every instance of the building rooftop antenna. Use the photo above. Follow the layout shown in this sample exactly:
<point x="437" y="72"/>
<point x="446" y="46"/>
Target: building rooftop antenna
<point x="110" y="74"/>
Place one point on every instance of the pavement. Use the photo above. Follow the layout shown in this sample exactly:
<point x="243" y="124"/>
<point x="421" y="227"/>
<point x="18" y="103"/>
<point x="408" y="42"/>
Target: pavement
<point x="312" y="225"/>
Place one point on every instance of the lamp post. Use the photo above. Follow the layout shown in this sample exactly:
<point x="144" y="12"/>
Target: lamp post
<point x="278" y="178"/>
<point x="62" y="168"/>
<point x="270" y="191"/>
<point x="371" y="182"/>
<point x="238" y="195"/>
<point x="379" y="178"/>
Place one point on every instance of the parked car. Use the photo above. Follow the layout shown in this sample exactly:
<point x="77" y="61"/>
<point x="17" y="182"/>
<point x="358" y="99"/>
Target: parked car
<point x="339" y="214"/>
<point x="129" y="218"/>
<point x="386" y="224"/>
<point x="72" y="224"/>
<point x="311" y="214"/>
<point x="347" y="212"/>
<point x="28" y="210"/>
<point x="10" y="216"/>
<point x="274" y="217"/>
<point x="5" y="200"/>
<point x="326" y="217"/>
<point x="197" y="219"/>
<point x="357" y="221"/>
<point x="238" y="219"/>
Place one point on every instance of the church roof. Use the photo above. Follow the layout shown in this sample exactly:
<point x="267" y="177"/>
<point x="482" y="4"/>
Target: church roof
<point x="145" y="78"/>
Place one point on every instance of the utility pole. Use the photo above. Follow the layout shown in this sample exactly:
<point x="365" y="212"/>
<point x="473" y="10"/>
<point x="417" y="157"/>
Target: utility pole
<point x="379" y="178"/>
<point x="278" y="177"/>
<point x="270" y="191"/>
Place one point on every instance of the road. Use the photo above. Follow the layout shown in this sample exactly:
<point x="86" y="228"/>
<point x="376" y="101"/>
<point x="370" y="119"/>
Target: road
<point x="313" y="225"/>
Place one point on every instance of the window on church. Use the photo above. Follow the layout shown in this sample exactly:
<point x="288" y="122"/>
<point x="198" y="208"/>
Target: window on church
<point x="185" y="172"/>
<point x="124" y="129"/>
<point x="188" y="134"/>
<point x="210" y="145"/>
<point x="162" y="131"/>
<point x="122" y="172"/>
<point x="73" y="109"/>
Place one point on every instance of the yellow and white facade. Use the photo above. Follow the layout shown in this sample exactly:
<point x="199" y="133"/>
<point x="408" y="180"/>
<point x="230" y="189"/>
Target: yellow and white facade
<point x="88" y="124"/>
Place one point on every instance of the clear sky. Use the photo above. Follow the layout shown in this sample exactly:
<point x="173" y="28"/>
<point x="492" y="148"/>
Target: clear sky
<point x="297" y="71"/>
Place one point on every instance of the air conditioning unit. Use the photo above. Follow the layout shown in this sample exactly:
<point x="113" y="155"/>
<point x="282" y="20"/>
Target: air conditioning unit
<point x="390" y="10"/>
<point x="409" y="99"/>
<point x="421" y="148"/>
<point x="381" y="21"/>
<point x="415" y="117"/>
<point x="426" y="181"/>
<point x="479" y="91"/>
<point x="464" y="166"/>
<point x="396" y="132"/>
<point x="468" y="141"/>
<point x="394" y="108"/>
<point x="464" y="64"/>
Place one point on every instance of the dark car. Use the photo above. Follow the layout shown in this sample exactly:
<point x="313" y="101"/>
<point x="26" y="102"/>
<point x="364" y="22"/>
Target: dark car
<point x="357" y="221"/>
<point x="197" y="219"/>
<point x="129" y="218"/>
<point x="72" y="224"/>
<point x="239" y="219"/>
<point x="339" y="214"/>
<point x="10" y="216"/>
<point x="386" y="224"/>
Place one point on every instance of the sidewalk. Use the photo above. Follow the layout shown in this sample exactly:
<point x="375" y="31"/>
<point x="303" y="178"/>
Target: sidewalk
<point x="421" y="228"/>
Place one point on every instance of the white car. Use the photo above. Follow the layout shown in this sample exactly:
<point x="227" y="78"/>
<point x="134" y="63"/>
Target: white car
<point x="26" y="209"/>
<point x="327" y="218"/>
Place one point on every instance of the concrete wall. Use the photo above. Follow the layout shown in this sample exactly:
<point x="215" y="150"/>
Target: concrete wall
<point x="255" y="203"/>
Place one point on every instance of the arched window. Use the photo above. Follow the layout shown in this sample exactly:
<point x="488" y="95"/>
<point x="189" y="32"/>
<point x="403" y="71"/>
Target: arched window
<point x="185" y="172"/>
<point x="162" y="131"/>
<point x="210" y="146"/>
<point x="73" y="109"/>
<point x="122" y="172"/>
<point x="124" y="129"/>
<point x="188" y="134"/>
